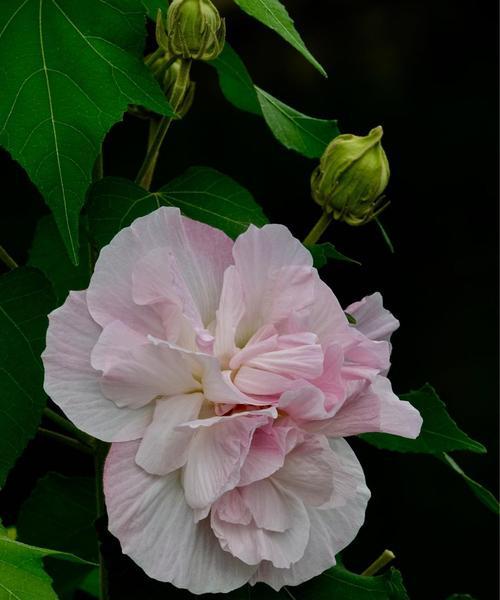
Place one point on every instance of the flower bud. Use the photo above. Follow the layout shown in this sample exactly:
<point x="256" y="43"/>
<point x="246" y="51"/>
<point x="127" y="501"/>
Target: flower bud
<point x="352" y="175"/>
<point x="195" y="29"/>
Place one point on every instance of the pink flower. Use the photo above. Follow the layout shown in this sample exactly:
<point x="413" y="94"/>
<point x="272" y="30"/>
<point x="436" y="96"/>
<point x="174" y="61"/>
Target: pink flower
<point x="226" y="376"/>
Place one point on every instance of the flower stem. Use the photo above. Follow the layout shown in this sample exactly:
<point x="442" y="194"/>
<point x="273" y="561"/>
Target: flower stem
<point x="146" y="172"/>
<point x="383" y="560"/>
<point x="7" y="259"/>
<point x="318" y="230"/>
<point x="64" y="439"/>
<point x="99" y="458"/>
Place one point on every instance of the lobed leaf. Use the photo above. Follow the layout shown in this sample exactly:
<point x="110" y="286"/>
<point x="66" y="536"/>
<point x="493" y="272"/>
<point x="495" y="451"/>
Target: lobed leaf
<point x="322" y="253"/>
<point x="26" y="298"/>
<point x="60" y="513"/>
<point x="439" y="431"/>
<point x="56" y="106"/>
<point x="274" y="15"/>
<point x="151" y="7"/>
<point x="48" y="254"/>
<point x="337" y="582"/>
<point x="307" y="135"/>
<point x="22" y="573"/>
<point x="484" y="495"/>
<point x="201" y="193"/>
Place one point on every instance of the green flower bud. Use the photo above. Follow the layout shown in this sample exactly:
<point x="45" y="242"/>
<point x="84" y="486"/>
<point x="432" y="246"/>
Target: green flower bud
<point x="352" y="175"/>
<point x="195" y="29"/>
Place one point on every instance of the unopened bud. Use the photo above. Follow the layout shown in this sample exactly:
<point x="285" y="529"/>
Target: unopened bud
<point x="351" y="177"/>
<point x="195" y="30"/>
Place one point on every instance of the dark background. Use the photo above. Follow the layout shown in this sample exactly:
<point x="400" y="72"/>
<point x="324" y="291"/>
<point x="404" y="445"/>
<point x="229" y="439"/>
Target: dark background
<point x="426" y="71"/>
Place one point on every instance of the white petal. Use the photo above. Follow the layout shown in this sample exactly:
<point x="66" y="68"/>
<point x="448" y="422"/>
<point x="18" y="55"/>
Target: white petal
<point x="156" y="528"/>
<point x="229" y="314"/>
<point x="375" y="409"/>
<point x="163" y="447"/>
<point x="201" y="254"/>
<point x="72" y="382"/>
<point x="372" y="319"/>
<point x="331" y="529"/>
<point x="216" y="454"/>
<point x="148" y="371"/>
<point x="276" y="274"/>
<point x="253" y="544"/>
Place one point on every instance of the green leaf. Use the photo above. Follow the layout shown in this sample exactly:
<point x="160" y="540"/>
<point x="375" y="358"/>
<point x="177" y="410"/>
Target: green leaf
<point x="460" y="597"/>
<point x="294" y="130"/>
<point x="484" y="495"/>
<point x="22" y="573"/>
<point x="201" y="193"/>
<point x="26" y="298"/>
<point x="69" y="71"/>
<point x="273" y="14"/>
<point x="49" y="255"/>
<point x="152" y="6"/>
<point x="60" y="513"/>
<point x="439" y="432"/>
<point x="322" y="253"/>
<point x="91" y="584"/>
<point x="235" y="81"/>
<point x="337" y="582"/>
<point x="307" y="135"/>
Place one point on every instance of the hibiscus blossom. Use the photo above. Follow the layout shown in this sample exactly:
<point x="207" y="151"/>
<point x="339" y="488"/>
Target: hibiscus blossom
<point x="226" y="376"/>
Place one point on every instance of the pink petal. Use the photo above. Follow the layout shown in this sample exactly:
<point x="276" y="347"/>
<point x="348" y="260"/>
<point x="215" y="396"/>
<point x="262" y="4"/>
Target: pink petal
<point x="327" y="319"/>
<point x="201" y="254"/>
<point x="232" y="509"/>
<point x="366" y="359"/>
<point x="268" y="505"/>
<point x="114" y="344"/>
<point x="375" y="409"/>
<point x="308" y="471"/>
<point x="304" y="403"/>
<point x="276" y="274"/>
<point x="372" y="319"/>
<point x="156" y="284"/>
<point x="217" y="386"/>
<point x="267" y="453"/>
<point x="331" y="381"/>
<point x="294" y="362"/>
<point x="332" y="529"/>
<point x="258" y="382"/>
<point x="229" y="314"/>
<point x="265" y="340"/>
<point x="253" y="544"/>
<point x="149" y="370"/>
<point x="74" y="385"/>
<point x="217" y="452"/>
<point x="163" y="447"/>
<point x="156" y="528"/>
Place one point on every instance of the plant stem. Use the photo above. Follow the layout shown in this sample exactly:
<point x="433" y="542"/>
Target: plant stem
<point x="158" y="53"/>
<point x="63" y="423"/>
<point x="64" y="439"/>
<point x="7" y="259"/>
<point x="318" y="230"/>
<point x="99" y="458"/>
<point x="146" y="172"/>
<point x="384" y="559"/>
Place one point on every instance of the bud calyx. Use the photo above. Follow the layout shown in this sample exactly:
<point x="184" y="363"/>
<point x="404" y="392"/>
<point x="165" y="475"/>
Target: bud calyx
<point x="351" y="177"/>
<point x="195" y="30"/>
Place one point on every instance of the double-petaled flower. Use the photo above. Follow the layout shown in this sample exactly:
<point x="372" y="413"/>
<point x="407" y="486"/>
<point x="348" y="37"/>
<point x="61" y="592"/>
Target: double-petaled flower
<point x="226" y="375"/>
